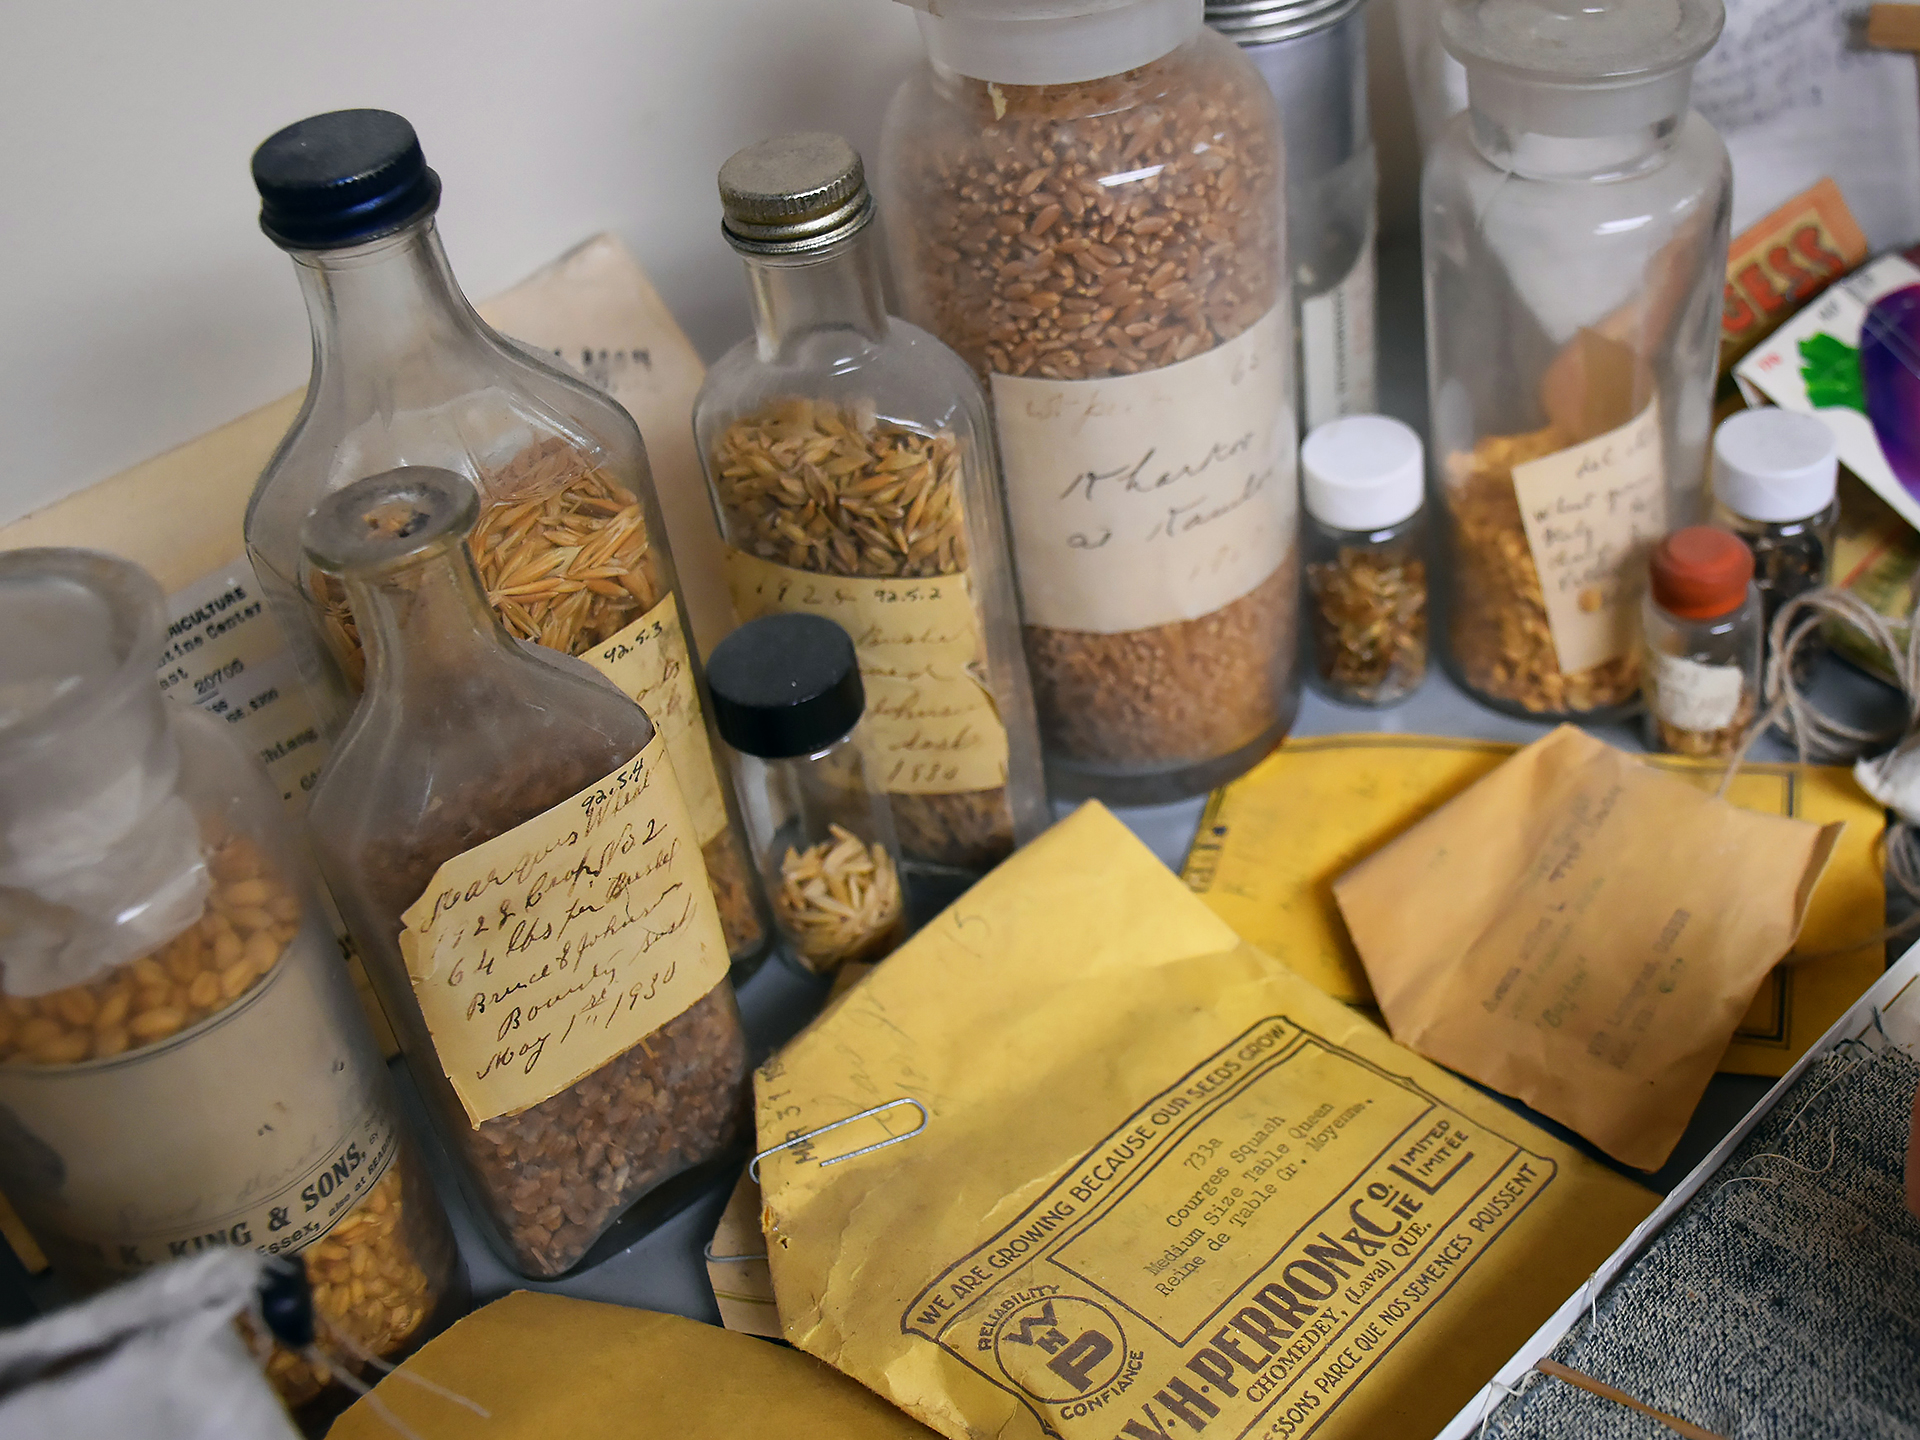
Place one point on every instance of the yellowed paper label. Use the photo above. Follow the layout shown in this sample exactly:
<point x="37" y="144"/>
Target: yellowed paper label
<point x="1590" y="513"/>
<point x="545" y="952"/>
<point x="1141" y="1296"/>
<point x="649" y="661"/>
<point x="931" y="725"/>
<point x="1143" y="500"/>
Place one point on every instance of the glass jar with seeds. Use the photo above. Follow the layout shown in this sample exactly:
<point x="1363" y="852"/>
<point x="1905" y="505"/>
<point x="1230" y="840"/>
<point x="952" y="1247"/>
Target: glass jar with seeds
<point x="1362" y="477"/>
<point x="788" y="699"/>
<point x="569" y="542"/>
<point x="502" y="831"/>
<point x="183" y="1062"/>
<point x="853" y="476"/>
<point x="1574" y="226"/>
<point x="1086" y="200"/>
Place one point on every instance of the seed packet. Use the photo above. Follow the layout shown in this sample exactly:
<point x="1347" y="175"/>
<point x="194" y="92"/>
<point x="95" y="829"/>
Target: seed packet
<point x="1583" y="933"/>
<point x="1112" y="1172"/>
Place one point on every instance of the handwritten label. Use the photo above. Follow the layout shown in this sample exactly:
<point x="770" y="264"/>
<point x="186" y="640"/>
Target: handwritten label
<point x="1590" y="512"/>
<point x="224" y="652"/>
<point x="1144" y="500"/>
<point x="547" y="951"/>
<point x="649" y="661"/>
<point x="1336" y="347"/>
<point x="931" y="725"/>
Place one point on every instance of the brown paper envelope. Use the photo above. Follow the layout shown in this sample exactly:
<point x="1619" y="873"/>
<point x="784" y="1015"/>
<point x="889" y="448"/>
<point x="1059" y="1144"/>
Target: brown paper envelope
<point x="1272" y="843"/>
<point x="1164" y="1184"/>
<point x="551" y="1368"/>
<point x="1584" y="933"/>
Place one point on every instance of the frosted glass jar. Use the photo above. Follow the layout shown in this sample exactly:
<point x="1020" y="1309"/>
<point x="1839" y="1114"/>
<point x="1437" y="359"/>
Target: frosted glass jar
<point x="1574" y="224"/>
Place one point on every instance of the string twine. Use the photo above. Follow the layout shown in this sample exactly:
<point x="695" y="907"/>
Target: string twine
<point x="1822" y="738"/>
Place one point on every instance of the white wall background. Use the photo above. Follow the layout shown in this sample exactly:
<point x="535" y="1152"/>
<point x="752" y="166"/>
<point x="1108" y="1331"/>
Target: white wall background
<point x="141" y="306"/>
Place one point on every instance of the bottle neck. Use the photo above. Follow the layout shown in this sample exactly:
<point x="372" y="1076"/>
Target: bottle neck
<point x="795" y="298"/>
<point x="385" y="308"/>
<point x="426" y="623"/>
<point x="1536" y="156"/>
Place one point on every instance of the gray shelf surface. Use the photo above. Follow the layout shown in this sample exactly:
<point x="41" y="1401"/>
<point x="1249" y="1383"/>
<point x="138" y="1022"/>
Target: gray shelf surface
<point x="665" y="1270"/>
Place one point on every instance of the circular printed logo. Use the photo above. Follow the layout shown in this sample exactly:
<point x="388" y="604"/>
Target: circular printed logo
<point x="1060" y="1348"/>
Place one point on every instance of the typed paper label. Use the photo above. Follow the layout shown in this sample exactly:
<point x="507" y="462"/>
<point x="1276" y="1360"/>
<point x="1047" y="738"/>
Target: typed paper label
<point x="1239" y="1254"/>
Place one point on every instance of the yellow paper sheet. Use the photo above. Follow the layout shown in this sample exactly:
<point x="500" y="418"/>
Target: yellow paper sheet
<point x="1164" y="1186"/>
<point x="1271" y="844"/>
<point x="549" y="1368"/>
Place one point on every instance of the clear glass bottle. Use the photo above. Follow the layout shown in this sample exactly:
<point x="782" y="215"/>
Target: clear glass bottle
<point x="1087" y="202"/>
<point x="514" y="864"/>
<point x="570" y="543"/>
<point x="787" y="696"/>
<point x="1775" y="485"/>
<point x="1701" y="638"/>
<point x="1574" y="224"/>
<point x="1313" y="56"/>
<point x="851" y="468"/>
<point x="183" y="1061"/>
<point x="1362" y="478"/>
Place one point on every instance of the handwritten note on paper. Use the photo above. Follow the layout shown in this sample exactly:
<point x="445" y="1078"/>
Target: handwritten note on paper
<point x="649" y="661"/>
<point x="1795" y="97"/>
<point x="223" y="652"/>
<point x="1590" y="512"/>
<point x="1143" y="500"/>
<point x="931" y="725"/>
<point x="540" y="955"/>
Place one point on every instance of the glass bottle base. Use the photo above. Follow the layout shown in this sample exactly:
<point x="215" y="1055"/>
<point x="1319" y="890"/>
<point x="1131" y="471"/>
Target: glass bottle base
<point x="1148" y="785"/>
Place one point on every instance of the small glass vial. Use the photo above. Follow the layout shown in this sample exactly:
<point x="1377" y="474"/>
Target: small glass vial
<point x="1774" y="474"/>
<point x="1366" y="558"/>
<point x="183" y="1062"/>
<point x="850" y="462"/>
<point x="1574" y="228"/>
<point x="569" y="542"/>
<point x="1700" y="638"/>
<point x="787" y="697"/>
<point x="514" y="858"/>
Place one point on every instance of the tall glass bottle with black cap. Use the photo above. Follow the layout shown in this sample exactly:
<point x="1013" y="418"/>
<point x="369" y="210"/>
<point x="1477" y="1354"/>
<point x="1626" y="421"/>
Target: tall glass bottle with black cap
<point x="787" y="697"/>
<point x="853" y="475"/>
<point x="570" y="544"/>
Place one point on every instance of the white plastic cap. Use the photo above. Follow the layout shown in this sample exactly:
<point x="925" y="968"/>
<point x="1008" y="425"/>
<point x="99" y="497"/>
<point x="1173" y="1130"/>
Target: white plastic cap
<point x="1579" y="68"/>
<point x="1053" y="42"/>
<point x="1362" y="472"/>
<point x="1774" y="465"/>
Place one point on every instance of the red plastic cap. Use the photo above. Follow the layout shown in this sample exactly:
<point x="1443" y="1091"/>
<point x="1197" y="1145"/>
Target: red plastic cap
<point x="1701" y="572"/>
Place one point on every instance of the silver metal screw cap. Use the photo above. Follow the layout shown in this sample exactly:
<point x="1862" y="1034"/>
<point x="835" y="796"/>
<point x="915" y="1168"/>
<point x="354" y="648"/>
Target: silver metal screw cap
<point x="793" y="194"/>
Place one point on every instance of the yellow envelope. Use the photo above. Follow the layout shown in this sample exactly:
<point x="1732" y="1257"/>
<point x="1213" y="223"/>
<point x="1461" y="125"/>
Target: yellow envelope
<point x="549" y="1368"/>
<point x="1271" y="844"/>
<point x="1163" y="1185"/>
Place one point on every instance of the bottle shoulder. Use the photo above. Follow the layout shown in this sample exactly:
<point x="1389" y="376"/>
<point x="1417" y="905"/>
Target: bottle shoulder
<point x="908" y="377"/>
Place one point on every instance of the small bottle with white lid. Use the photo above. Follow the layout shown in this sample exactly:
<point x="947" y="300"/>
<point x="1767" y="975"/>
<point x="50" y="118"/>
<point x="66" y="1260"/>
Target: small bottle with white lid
<point x="1700" y="629"/>
<point x="1774" y="474"/>
<point x="1366" y="560"/>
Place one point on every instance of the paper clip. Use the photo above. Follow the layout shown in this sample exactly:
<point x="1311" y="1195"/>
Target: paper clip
<point x="753" y="1167"/>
